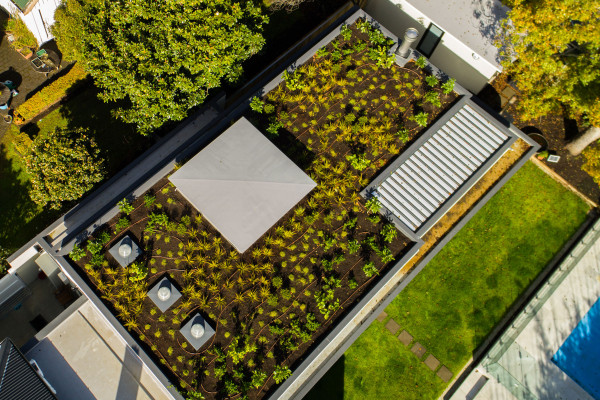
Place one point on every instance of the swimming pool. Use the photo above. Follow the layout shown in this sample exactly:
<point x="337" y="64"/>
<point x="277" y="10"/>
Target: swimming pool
<point x="579" y="355"/>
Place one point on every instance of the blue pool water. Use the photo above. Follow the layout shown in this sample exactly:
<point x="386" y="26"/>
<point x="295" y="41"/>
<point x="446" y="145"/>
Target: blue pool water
<point x="579" y="355"/>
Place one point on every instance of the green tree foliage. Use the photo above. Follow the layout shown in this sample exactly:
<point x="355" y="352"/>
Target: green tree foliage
<point x="161" y="57"/>
<point x="557" y="43"/>
<point x="63" y="165"/>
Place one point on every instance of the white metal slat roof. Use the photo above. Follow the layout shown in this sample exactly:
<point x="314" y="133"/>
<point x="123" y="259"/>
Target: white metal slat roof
<point x="422" y="183"/>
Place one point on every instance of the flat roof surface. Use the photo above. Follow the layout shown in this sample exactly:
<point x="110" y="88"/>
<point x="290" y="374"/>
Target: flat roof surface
<point x="83" y="358"/>
<point x="476" y="23"/>
<point x="242" y="184"/>
<point x="437" y="169"/>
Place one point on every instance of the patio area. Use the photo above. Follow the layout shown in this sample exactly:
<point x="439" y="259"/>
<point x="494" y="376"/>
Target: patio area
<point x="19" y="70"/>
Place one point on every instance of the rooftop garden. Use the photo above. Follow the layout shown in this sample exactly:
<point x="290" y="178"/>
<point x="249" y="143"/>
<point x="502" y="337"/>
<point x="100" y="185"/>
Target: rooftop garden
<point x="341" y="117"/>
<point x="463" y="293"/>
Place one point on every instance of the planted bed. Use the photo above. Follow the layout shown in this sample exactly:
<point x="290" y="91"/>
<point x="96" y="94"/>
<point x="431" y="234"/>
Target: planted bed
<point x="341" y="117"/>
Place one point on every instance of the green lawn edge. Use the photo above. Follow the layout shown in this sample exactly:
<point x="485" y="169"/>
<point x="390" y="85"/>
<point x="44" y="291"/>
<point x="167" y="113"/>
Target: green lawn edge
<point x="458" y="298"/>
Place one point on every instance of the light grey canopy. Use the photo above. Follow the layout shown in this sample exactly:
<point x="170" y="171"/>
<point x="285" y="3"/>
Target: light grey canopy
<point x="242" y="184"/>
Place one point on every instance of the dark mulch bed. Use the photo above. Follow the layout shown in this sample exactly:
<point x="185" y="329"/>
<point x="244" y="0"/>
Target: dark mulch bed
<point x="272" y="304"/>
<point x="558" y="131"/>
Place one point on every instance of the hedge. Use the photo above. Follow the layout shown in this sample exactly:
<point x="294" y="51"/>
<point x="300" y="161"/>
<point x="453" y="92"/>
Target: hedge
<point x="50" y="95"/>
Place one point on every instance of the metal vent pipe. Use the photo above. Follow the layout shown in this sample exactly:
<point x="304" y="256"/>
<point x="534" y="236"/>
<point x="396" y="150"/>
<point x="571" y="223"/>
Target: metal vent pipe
<point x="410" y="36"/>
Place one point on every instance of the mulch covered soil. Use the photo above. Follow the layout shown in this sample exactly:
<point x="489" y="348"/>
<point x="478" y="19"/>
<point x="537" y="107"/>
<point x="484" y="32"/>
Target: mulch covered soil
<point x="558" y="130"/>
<point x="341" y="117"/>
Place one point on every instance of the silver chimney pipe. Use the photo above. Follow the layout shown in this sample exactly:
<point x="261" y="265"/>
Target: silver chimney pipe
<point x="410" y="36"/>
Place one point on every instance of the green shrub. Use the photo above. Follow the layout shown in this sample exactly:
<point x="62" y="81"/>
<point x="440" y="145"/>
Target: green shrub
<point x="49" y="95"/>
<point x="23" y="38"/>
<point x="77" y="253"/>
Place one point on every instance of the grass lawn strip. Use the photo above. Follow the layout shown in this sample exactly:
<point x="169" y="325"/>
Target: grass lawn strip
<point x="458" y="298"/>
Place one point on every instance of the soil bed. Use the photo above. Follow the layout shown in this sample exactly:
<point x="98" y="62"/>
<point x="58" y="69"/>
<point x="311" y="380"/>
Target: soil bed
<point x="341" y="117"/>
<point x="558" y="130"/>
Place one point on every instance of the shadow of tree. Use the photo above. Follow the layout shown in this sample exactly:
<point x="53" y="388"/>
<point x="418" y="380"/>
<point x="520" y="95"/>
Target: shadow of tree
<point x="331" y="385"/>
<point x="488" y="16"/>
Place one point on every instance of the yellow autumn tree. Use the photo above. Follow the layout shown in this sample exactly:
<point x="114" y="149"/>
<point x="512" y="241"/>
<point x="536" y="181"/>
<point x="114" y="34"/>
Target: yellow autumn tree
<point x="556" y="48"/>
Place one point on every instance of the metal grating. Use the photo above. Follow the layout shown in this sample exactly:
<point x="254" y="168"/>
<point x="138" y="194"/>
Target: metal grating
<point x="449" y="158"/>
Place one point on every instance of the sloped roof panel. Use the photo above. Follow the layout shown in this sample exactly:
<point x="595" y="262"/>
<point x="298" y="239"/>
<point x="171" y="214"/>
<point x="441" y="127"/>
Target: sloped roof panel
<point x="242" y="184"/>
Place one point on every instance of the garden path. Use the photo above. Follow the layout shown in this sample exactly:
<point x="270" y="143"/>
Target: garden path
<point x="417" y="348"/>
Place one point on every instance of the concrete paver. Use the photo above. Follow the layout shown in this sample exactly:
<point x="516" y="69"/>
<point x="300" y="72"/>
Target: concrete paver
<point x="444" y="374"/>
<point x="392" y="326"/>
<point x="405" y="338"/>
<point x="432" y="362"/>
<point x="381" y="317"/>
<point x="418" y="350"/>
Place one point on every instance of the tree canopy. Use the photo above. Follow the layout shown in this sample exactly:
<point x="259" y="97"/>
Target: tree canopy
<point x="161" y="57"/>
<point x="63" y="165"/>
<point x="557" y="46"/>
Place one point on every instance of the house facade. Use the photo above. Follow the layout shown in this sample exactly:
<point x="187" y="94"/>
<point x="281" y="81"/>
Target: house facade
<point x="38" y="15"/>
<point x="457" y="36"/>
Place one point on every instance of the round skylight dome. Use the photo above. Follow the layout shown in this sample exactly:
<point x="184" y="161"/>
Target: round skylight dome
<point x="125" y="250"/>
<point x="197" y="331"/>
<point x="164" y="293"/>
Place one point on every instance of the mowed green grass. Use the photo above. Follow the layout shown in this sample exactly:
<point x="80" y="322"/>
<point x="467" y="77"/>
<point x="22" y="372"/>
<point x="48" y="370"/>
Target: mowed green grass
<point x="458" y="298"/>
<point x="20" y="218"/>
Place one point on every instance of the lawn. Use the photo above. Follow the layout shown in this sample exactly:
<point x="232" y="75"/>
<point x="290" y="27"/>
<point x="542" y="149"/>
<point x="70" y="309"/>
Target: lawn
<point x="20" y="218"/>
<point x="456" y="300"/>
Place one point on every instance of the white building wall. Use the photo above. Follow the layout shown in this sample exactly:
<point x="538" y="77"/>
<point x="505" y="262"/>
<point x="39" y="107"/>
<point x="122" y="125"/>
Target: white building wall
<point x="38" y="19"/>
<point x="451" y="55"/>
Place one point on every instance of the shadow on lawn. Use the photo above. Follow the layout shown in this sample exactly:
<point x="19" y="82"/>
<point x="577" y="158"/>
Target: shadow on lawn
<point x="331" y="385"/>
<point x="20" y="217"/>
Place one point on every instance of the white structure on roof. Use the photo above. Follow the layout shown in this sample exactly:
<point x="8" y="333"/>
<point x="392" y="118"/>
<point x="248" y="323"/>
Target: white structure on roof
<point x="38" y="15"/>
<point x="456" y="35"/>
<point x="242" y="184"/>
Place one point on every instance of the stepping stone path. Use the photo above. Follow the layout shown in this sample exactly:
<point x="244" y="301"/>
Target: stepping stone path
<point x="392" y="326"/>
<point x="432" y="362"/>
<point x="418" y="350"/>
<point x="405" y="338"/>
<point x="445" y="374"/>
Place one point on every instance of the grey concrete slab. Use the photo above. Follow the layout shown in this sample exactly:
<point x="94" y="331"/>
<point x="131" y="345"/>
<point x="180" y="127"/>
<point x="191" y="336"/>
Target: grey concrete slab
<point x="432" y="362"/>
<point x="134" y="251"/>
<point x="381" y="317"/>
<point x="418" y="350"/>
<point x="392" y="326"/>
<point x="242" y="183"/>
<point x="173" y="297"/>
<point x="405" y="338"/>
<point x="186" y="331"/>
<point x="444" y="374"/>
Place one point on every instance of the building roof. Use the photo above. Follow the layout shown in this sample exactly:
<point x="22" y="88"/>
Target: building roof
<point x="434" y="173"/>
<point x="475" y="23"/>
<point x="84" y="358"/>
<point x="242" y="184"/>
<point x="18" y="379"/>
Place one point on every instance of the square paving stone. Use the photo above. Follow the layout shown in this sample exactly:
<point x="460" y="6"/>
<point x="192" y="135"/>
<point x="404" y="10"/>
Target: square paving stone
<point x="392" y="326"/>
<point x="418" y="350"/>
<point x="405" y="338"/>
<point x="432" y="362"/>
<point x="382" y="316"/>
<point x="445" y="374"/>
